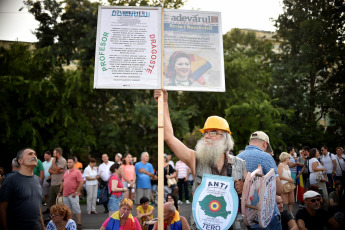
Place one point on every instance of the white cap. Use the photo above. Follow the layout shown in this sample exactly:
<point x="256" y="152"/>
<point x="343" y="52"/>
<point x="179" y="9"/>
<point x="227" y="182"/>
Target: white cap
<point x="262" y="136"/>
<point x="310" y="194"/>
<point x="119" y="155"/>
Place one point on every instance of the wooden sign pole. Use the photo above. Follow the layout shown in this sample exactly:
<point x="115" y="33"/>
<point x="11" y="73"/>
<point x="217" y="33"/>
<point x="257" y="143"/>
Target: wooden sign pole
<point x="161" y="135"/>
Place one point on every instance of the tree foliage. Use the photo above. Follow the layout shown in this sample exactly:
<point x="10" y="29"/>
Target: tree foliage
<point x="309" y="73"/>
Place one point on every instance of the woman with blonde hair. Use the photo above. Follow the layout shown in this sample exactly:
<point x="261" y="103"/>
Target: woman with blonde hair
<point x="61" y="218"/>
<point x="123" y="218"/>
<point x="285" y="177"/>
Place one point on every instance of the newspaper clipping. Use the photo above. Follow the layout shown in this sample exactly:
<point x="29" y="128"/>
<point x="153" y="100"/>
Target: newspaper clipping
<point x="128" y="49"/>
<point x="193" y="51"/>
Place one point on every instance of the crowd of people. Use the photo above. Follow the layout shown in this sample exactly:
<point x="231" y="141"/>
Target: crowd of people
<point x="308" y="177"/>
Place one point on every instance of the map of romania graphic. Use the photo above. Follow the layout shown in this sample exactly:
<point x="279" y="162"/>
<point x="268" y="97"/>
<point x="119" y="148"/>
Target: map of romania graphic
<point x="214" y="206"/>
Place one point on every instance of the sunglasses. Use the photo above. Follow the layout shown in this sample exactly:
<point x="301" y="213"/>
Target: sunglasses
<point x="314" y="200"/>
<point x="53" y="215"/>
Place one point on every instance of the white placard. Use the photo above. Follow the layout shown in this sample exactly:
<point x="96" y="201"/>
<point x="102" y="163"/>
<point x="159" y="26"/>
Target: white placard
<point x="128" y="48"/>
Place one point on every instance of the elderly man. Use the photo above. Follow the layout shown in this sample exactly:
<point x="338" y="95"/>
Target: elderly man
<point x="256" y="153"/>
<point x="211" y="154"/>
<point x="144" y="172"/>
<point x="21" y="196"/>
<point x="312" y="216"/>
<point x="173" y="219"/>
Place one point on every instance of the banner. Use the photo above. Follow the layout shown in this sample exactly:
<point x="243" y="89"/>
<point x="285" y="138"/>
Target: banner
<point x="193" y="51"/>
<point x="215" y="203"/>
<point x="128" y="48"/>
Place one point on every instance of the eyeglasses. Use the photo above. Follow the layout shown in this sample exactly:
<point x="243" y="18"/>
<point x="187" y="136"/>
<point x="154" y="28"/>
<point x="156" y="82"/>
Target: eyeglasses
<point x="314" y="200"/>
<point x="53" y="215"/>
<point x="211" y="133"/>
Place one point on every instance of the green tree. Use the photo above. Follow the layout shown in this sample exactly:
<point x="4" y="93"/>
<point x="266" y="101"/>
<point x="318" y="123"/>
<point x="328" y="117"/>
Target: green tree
<point x="308" y="74"/>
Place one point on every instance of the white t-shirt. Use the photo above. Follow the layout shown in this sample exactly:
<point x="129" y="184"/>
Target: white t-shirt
<point x="327" y="162"/>
<point x="89" y="172"/>
<point x="342" y="165"/>
<point x="104" y="170"/>
<point x="312" y="176"/>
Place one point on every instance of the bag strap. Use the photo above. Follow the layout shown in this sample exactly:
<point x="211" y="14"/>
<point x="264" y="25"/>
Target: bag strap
<point x="339" y="163"/>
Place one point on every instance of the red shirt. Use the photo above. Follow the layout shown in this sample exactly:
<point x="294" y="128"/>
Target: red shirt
<point x="119" y="185"/>
<point x="71" y="179"/>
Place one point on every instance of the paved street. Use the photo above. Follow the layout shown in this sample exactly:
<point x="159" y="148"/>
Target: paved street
<point x="95" y="221"/>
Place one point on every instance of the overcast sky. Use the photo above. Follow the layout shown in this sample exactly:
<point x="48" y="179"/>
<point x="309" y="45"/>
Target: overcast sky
<point x="243" y="14"/>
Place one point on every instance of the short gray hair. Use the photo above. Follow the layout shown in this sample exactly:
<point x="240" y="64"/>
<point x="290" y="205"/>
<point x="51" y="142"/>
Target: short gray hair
<point x="171" y="207"/>
<point x="143" y="153"/>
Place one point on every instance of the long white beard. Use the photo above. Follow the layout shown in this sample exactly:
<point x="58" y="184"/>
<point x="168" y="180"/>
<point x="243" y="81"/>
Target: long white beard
<point x="208" y="152"/>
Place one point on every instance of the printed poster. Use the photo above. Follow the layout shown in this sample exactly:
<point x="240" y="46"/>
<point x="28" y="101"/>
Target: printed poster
<point x="193" y="51"/>
<point x="215" y="202"/>
<point x="267" y="199"/>
<point x="128" y="48"/>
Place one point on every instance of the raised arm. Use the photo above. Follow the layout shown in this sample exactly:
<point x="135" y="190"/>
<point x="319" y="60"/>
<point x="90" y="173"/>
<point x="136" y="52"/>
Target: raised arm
<point x="184" y="153"/>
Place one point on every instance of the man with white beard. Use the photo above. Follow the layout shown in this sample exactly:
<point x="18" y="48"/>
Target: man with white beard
<point x="211" y="152"/>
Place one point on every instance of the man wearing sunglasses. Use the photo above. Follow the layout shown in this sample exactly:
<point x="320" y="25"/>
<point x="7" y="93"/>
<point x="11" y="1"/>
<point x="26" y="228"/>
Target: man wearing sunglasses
<point x="211" y="154"/>
<point x="312" y="216"/>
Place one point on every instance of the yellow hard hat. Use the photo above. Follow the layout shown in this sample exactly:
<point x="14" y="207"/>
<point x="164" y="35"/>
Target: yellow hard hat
<point x="215" y="122"/>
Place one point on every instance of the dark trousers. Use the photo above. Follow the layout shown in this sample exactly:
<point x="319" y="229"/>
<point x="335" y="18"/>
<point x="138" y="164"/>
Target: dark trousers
<point x="329" y="183"/>
<point x="102" y="185"/>
<point x="182" y="185"/>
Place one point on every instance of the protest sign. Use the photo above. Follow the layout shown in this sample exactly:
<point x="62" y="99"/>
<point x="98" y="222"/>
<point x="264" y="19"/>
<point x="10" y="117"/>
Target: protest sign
<point x="250" y="196"/>
<point x="193" y="51"/>
<point x="267" y="199"/>
<point x="215" y="202"/>
<point x="128" y="48"/>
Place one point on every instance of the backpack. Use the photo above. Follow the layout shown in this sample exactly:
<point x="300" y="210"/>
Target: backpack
<point x="104" y="196"/>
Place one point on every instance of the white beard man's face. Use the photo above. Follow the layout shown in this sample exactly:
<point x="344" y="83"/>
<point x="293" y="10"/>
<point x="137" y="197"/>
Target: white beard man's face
<point x="209" y="151"/>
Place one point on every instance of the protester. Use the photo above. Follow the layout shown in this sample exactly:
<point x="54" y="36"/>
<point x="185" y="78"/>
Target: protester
<point x="91" y="185"/>
<point x="329" y="162"/>
<point x="21" y="196"/>
<point x="15" y="168"/>
<point x="116" y="189"/>
<point x="78" y="165"/>
<point x="129" y="171"/>
<point x="39" y="171"/>
<point x="172" y="198"/>
<point x="2" y="175"/>
<point x="334" y="199"/>
<point x="118" y="158"/>
<point x="312" y="216"/>
<point x="305" y="169"/>
<point x="104" y="173"/>
<point x="285" y="177"/>
<point x="293" y="163"/>
<point x="182" y="172"/>
<point x="172" y="219"/>
<point x="59" y="166"/>
<point x="314" y="167"/>
<point x="211" y="154"/>
<point x="61" y="218"/>
<point x="170" y="161"/>
<point x="47" y="179"/>
<point x="70" y="189"/>
<point x="123" y="218"/>
<point x="144" y="172"/>
<point x="169" y="173"/>
<point x="256" y="153"/>
<point x="144" y="212"/>
<point x="340" y="160"/>
<point x="287" y="219"/>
